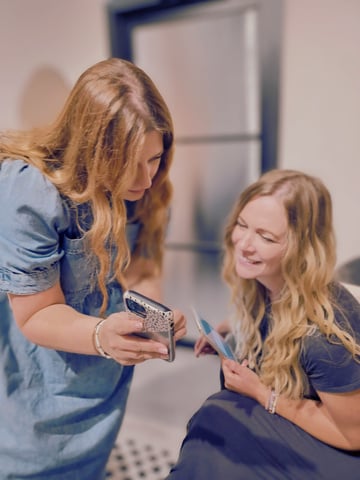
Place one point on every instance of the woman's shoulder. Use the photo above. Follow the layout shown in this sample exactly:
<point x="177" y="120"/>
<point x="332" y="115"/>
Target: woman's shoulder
<point x="347" y="316"/>
<point x="346" y="305"/>
<point x="23" y="187"/>
<point x="19" y="171"/>
<point x="346" y="292"/>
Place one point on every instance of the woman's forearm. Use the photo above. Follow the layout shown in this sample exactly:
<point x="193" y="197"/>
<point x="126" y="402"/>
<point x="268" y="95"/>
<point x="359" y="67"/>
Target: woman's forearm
<point x="60" y="327"/>
<point x="334" y="419"/>
<point x="312" y="416"/>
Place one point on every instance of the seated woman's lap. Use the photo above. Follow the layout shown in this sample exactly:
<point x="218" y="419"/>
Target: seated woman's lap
<point x="232" y="437"/>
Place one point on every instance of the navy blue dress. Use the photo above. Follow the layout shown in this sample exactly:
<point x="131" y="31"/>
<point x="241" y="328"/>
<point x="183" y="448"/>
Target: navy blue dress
<point x="232" y="437"/>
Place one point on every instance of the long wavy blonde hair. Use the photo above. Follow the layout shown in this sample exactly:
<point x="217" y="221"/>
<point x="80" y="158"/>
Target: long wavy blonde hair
<point x="90" y="152"/>
<point x="306" y="303"/>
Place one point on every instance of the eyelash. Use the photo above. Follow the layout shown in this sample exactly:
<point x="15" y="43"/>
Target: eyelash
<point x="270" y="240"/>
<point x="242" y="225"/>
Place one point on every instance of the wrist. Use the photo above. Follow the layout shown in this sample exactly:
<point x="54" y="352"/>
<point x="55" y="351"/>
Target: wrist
<point x="96" y="339"/>
<point x="262" y="396"/>
<point x="272" y="400"/>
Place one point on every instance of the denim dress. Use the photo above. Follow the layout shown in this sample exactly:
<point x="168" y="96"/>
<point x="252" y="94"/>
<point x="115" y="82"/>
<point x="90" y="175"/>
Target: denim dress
<point x="59" y="412"/>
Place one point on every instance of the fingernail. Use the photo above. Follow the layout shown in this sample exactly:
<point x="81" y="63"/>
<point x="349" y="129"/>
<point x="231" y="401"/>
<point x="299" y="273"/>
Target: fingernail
<point x="138" y="325"/>
<point x="163" y="351"/>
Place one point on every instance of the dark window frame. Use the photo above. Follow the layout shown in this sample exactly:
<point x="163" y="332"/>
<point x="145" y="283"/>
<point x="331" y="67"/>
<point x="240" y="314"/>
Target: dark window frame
<point x="124" y="15"/>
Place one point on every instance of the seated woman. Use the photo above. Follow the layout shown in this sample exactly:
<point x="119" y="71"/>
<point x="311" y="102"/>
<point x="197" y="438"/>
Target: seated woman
<point x="290" y="408"/>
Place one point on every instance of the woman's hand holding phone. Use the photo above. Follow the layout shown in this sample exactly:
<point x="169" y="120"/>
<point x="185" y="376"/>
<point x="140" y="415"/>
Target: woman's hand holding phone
<point x="119" y="338"/>
<point x="160" y="323"/>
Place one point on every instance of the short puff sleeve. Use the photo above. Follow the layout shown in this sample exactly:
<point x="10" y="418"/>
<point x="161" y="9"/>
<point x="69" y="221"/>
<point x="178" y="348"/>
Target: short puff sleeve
<point x="33" y="217"/>
<point x="330" y="366"/>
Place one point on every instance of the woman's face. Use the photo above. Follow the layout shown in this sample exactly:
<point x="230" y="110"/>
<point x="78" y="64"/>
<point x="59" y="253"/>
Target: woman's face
<point x="260" y="240"/>
<point x="147" y="166"/>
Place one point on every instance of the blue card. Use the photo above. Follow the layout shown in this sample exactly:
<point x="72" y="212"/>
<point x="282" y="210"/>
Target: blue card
<point x="213" y="337"/>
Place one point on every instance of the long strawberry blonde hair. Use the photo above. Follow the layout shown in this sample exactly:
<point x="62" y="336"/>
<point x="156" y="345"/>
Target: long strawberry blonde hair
<point x="89" y="153"/>
<point x="306" y="302"/>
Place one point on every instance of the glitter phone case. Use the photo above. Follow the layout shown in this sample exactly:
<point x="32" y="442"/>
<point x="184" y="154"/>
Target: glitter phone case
<point x="158" y="319"/>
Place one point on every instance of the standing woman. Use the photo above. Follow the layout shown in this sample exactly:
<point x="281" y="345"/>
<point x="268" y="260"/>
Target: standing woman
<point x="290" y="409"/>
<point x="84" y="207"/>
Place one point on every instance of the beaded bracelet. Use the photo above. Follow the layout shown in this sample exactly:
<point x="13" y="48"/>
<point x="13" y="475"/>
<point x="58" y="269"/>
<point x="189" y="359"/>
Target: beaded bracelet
<point x="271" y="405"/>
<point x="97" y="343"/>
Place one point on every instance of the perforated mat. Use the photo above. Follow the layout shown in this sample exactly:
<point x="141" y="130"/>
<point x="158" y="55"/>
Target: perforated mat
<point x="143" y="451"/>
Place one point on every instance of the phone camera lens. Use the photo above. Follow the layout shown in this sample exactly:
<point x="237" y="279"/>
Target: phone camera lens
<point x="136" y="308"/>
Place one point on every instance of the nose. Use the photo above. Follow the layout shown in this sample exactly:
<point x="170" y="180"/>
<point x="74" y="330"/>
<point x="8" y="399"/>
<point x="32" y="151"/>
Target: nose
<point x="144" y="176"/>
<point x="244" y="239"/>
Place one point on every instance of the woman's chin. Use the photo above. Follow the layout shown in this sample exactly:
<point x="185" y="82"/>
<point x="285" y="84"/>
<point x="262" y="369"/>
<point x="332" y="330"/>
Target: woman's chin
<point x="133" y="195"/>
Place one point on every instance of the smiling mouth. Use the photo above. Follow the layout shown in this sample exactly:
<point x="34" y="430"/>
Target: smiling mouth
<point x="249" y="261"/>
<point x="142" y="190"/>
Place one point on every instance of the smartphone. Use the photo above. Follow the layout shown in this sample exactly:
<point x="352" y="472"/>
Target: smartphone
<point x="213" y="337"/>
<point x="158" y="319"/>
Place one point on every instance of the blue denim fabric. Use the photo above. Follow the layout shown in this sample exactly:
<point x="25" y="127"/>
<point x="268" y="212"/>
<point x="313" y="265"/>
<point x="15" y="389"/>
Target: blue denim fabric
<point x="60" y="412"/>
